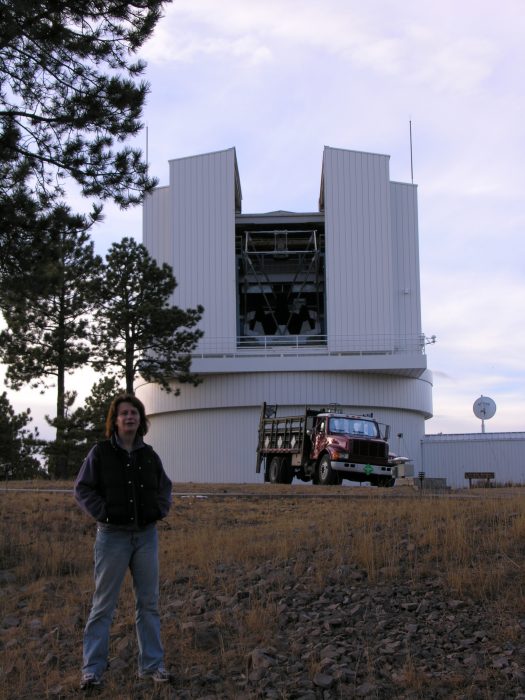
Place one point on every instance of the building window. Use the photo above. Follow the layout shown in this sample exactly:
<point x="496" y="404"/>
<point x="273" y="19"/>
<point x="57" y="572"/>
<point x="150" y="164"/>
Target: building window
<point x="280" y="286"/>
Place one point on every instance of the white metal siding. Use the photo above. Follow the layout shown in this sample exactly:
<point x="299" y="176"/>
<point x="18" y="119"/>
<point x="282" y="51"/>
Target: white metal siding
<point x="219" y="446"/>
<point x="450" y="456"/>
<point x="157" y="226"/>
<point x="180" y="436"/>
<point x="208" y="446"/>
<point x="347" y="388"/>
<point x="203" y="209"/>
<point x="358" y="250"/>
<point x="405" y="261"/>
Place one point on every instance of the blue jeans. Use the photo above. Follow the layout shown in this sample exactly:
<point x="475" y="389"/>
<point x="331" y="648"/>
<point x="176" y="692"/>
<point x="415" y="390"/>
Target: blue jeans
<point x="115" y="552"/>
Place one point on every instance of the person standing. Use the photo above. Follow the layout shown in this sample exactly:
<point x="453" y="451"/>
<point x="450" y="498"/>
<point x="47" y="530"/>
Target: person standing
<point x="123" y="486"/>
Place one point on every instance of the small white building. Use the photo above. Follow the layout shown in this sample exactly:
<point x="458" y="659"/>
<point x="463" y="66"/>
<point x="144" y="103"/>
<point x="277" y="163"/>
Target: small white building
<point x="309" y="308"/>
<point x="450" y="457"/>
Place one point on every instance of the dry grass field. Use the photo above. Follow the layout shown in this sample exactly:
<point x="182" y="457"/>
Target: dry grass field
<point x="260" y="550"/>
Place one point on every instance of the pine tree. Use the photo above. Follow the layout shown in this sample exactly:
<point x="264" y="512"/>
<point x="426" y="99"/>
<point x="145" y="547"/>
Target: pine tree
<point x="82" y="427"/>
<point x="91" y="417"/>
<point x="18" y="445"/>
<point x="137" y="331"/>
<point x="71" y="94"/>
<point x="47" y="307"/>
<point x="71" y="90"/>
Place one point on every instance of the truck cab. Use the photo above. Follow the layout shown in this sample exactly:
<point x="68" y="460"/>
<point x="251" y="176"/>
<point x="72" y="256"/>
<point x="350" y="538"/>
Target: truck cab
<point x="348" y="446"/>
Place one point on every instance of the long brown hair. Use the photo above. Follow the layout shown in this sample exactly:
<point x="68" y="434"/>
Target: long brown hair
<point x="113" y="410"/>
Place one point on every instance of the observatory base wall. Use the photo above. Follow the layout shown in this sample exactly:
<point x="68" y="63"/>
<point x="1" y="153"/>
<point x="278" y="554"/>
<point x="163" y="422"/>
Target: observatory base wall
<point x="208" y="434"/>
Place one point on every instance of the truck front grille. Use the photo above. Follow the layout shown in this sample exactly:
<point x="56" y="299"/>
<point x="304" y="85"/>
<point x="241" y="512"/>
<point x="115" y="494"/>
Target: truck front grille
<point x="369" y="449"/>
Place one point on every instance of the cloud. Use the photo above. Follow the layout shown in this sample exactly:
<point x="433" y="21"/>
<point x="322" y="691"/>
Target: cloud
<point x="279" y="80"/>
<point x="283" y="79"/>
<point x="414" y="45"/>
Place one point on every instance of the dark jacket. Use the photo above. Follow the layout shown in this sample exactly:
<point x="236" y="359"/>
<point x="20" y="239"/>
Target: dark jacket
<point x="121" y="488"/>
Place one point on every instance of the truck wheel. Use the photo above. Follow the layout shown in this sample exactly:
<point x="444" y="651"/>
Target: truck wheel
<point x="286" y="471"/>
<point x="274" y="471"/>
<point x="327" y="476"/>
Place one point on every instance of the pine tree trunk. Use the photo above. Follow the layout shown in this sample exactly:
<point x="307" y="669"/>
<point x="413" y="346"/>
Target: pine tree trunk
<point x="60" y="458"/>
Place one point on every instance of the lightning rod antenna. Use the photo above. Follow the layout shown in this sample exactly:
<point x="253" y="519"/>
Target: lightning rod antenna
<point x="147" y="148"/>
<point x="411" y="161"/>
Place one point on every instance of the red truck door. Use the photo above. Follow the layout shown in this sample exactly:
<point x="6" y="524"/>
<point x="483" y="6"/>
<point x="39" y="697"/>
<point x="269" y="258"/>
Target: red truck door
<point x="318" y="437"/>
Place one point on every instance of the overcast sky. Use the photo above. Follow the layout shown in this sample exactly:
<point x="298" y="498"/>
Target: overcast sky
<point x="280" y="79"/>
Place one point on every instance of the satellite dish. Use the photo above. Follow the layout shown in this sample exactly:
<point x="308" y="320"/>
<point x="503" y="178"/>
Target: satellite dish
<point x="484" y="408"/>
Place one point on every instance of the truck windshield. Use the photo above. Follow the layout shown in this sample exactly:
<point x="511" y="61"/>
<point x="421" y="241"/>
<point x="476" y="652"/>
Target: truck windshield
<point x="353" y="426"/>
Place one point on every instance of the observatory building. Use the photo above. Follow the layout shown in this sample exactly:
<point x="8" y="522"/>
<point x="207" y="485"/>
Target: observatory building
<point x="301" y="308"/>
